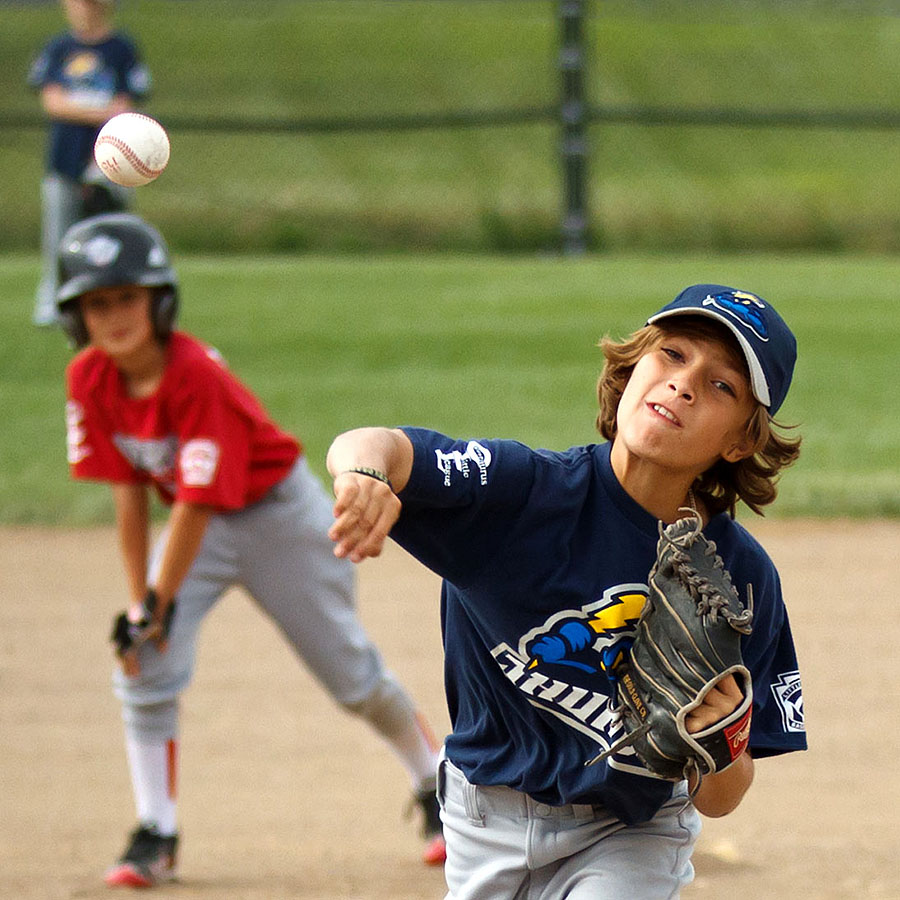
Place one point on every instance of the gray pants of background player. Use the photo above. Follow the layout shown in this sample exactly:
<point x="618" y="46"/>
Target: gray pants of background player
<point x="278" y="550"/>
<point x="62" y="205"/>
<point x="503" y="843"/>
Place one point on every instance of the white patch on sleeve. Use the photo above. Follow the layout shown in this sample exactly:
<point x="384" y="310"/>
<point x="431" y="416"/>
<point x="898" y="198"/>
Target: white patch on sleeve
<point x="199" y="461"/>
<point x="789" y="694"/>
<point x="77" y="448"/>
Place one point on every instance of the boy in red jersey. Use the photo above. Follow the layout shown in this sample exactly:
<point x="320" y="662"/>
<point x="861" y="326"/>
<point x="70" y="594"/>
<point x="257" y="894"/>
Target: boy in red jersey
<point x="152" y="407"/>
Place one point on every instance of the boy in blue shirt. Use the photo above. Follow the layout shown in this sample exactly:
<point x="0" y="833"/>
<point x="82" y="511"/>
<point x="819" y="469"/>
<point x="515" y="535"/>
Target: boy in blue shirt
<point x="85" y="76"/>
<point x="530" y="541"/>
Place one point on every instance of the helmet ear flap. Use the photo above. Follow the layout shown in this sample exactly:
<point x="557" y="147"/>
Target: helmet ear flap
<point x="72" y="324"/>
<point x="165" y="306"/>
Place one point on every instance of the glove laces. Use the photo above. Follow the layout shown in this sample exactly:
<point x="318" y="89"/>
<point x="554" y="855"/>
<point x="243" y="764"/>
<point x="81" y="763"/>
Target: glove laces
<point x="708" y="597"/>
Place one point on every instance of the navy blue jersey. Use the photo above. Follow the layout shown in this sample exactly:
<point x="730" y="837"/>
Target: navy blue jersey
<point x="92" y="74"/>
<point x="545" y="560"/>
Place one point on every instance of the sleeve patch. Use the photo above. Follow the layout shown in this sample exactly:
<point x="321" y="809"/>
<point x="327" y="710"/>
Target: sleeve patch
<point x="475" y="452"/>
<point x="199" y="461"/>
<point x="789" y="696"/>
<point x="76" y="436"/>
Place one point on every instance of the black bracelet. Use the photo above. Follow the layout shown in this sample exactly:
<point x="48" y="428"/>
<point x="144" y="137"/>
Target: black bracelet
<point x="372" y="473"/>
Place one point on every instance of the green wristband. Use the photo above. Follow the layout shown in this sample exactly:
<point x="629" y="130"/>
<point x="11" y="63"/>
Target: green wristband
<point x="372" y="473"/>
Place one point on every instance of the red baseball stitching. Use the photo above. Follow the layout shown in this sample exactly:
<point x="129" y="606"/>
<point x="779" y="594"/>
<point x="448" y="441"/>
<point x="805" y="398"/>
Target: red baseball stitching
<point x="137" y="163"/>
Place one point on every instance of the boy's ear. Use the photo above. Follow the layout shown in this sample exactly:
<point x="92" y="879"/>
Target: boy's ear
<point x="739" y="450"/>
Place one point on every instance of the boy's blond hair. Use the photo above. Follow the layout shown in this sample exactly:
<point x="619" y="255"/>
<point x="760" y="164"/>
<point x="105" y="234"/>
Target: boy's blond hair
<point x="753" y="479"/>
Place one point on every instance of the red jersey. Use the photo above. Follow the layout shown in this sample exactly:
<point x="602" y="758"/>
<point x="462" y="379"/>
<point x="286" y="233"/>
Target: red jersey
<point x="202" y="437"/>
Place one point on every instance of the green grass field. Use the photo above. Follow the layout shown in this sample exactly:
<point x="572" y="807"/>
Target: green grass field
<point x="477" y="346"/>
<point x="494" y="189"/>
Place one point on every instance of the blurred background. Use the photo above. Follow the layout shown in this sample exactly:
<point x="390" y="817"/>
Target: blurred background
<point x="349" y="125"/>
<point x="430" y="211"/>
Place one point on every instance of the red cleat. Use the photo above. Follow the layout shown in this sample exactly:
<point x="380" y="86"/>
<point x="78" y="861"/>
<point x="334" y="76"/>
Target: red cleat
<point x="148" y="860"/>
<point x="435" y="851"/>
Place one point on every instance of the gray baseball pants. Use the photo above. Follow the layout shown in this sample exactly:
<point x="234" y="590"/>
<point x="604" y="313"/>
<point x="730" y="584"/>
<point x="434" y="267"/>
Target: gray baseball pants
<point x="503" y="843"/>
<point x="278" y="550"/>
<point x="61" y="207"/>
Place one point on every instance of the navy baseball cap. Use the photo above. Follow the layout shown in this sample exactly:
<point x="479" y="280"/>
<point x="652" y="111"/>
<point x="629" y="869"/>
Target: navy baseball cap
<point x="767" y="342"/>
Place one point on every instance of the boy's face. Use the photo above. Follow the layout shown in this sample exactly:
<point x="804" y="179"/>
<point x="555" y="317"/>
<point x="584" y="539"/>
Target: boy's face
<point x="84" y="15"/>
<point x="118" y="319"/>
<point x="686" y="405"/>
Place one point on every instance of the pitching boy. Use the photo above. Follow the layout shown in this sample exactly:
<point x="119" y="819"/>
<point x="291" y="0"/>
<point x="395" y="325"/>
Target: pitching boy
<point x="85" y="76"/>
<point x="538" y="549"/>
<point x="154" y="408"/>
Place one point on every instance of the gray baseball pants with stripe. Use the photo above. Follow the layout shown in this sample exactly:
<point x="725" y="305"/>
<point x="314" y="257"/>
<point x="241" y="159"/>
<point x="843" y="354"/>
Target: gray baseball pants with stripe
<point x="278" y="550"/>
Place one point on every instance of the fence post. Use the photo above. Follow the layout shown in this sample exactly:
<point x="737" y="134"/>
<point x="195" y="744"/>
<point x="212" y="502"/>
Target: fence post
<point x="573" y="115"/>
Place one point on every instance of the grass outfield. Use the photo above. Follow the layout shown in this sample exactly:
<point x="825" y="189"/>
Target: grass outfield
<point x="477" y="346"/>
<point x="498" y="188"/>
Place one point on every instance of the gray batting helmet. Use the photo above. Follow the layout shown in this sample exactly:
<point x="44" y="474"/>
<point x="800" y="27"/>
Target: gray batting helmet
<point x="108" y="251"/>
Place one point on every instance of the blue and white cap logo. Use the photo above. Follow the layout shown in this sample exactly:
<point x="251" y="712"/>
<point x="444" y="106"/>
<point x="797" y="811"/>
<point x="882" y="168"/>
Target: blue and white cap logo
<point x="768" y="344"/>
<point x="746" y="308"/>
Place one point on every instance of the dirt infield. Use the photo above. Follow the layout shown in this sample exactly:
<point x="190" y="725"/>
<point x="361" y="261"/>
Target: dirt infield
<point x="284" y="796"/>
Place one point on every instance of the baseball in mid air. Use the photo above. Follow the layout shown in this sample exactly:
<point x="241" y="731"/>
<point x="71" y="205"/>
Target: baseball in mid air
<point x="132" y="149"/>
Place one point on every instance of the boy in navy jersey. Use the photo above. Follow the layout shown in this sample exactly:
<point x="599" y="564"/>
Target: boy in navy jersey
<point x="536" y="546"/>
<point x="85" y="76"/>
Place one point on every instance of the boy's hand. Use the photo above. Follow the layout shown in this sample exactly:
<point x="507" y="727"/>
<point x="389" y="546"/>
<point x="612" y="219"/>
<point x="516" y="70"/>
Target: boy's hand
<point x="365" y="510"/>
<point x="721" y="701"/>
<point x="136" y="626"/>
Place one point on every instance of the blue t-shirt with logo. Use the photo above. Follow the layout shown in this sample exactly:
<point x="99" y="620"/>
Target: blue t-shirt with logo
<point x="92" y="74"/>
<point x="545" y="560"/>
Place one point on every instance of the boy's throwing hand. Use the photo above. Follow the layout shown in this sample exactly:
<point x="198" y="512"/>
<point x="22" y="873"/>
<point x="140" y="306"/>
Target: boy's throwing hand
<point x="365" y="510"/>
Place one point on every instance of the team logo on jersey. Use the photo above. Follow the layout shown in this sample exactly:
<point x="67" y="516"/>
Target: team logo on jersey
<point x="595" y="641"/>
<point x="567" y="666"/>
<point x="81" y="64"/>
<point x="475" y="453"/>
<point x="155" y="455"/>
<point x="744" y="307"/>
<point x="789" y="695"/>
<point x="199" y="461"/>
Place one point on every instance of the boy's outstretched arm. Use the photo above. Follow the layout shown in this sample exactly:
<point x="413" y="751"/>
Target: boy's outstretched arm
<point x="366" y="507"/>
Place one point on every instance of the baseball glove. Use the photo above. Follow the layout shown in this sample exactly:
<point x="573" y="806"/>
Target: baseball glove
<point x="129" y="635"/>
<point x="689" y="639"/>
